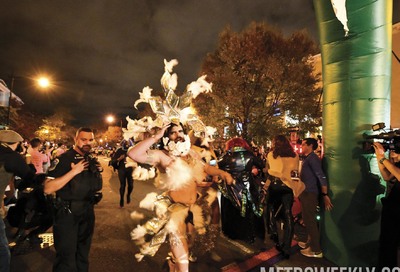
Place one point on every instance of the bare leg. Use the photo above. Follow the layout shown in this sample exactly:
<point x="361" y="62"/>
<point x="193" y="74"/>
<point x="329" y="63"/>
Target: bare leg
<point x="179" y="248"/>
<point x="178" y="242"/>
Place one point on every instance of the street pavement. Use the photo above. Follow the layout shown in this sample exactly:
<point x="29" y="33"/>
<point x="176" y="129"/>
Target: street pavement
<point x="113" y="250"/>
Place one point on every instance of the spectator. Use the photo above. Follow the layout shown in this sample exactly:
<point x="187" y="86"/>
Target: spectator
<point x="283" y="165"/>
<point x="37" y="157"/>
<point x="58" y="151"/>
<point x="11" y="164"/>
<point x="316" y="183"/>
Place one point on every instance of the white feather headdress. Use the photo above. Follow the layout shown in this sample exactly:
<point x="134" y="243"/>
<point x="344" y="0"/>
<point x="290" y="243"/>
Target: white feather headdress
<point x="174" y="109"/>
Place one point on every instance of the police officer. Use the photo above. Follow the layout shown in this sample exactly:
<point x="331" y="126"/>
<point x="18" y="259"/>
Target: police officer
<point x="76" y="179"/>
<point x="11" y="164"/>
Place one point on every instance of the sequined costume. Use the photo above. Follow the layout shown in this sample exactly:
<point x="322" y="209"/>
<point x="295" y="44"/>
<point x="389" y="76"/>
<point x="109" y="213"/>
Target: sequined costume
<point x="241" y="210"/>
<point x="179" y="169"/>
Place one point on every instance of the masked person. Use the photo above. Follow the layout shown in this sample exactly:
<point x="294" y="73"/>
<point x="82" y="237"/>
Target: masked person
<point x="75" y="178"/>
<point x="11" y="164"/>
<point x="241" y="205"/>
<point x="179" y="208"/>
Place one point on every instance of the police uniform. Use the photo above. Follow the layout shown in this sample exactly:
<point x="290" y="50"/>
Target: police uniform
<point x="74" y="217"/>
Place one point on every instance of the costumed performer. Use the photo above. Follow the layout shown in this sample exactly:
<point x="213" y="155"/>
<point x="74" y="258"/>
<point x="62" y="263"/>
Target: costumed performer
<point x="179" y="209"/>
<point x="242" y="204"/>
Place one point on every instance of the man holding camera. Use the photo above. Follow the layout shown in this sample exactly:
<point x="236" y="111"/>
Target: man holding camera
<point x="389" y="239"/>
<point x="75" y="178"/>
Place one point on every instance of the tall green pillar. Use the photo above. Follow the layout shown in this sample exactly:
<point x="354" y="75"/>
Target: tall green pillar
<point x="357" y="81"/>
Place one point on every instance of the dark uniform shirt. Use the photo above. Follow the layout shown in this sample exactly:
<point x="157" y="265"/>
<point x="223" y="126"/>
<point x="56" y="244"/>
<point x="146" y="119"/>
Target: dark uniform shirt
<point x="84" y="185"/>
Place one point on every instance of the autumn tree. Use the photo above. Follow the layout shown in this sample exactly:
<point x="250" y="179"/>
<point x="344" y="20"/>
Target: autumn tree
<point x="113" y="135"/>
<point x="55" y="129"/>
<point x="26" y="123"/>
<point x="260" y="81"/>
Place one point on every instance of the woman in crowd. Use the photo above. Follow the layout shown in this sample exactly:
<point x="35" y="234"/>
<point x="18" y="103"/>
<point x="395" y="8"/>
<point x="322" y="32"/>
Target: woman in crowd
<point x="282" y="185"/>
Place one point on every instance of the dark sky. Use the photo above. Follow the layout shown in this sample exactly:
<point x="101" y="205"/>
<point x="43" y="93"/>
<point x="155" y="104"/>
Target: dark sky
<point x="103" y="52"/>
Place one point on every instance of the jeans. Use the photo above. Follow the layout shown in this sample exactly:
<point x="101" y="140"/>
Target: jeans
<point x="5" y="255"/>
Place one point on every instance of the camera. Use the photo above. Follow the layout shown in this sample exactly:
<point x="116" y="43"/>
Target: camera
<point x="93" y="163"/>
<point x="390" y="139"/>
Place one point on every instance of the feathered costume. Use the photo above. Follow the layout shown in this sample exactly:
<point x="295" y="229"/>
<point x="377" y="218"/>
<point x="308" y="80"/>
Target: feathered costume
<point x="168" y="214"/>
<point x="182" y="172"/>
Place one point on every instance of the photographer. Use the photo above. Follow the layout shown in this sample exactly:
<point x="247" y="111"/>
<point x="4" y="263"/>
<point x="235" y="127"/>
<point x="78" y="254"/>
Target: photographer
<point x="76" y="179"/>
<point x="389" y="239"/>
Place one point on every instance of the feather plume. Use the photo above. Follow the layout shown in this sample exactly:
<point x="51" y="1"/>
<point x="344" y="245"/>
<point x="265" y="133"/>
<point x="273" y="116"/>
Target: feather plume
<point x="168" y="81"/>
<point x="136" y="215"/>
<point x="138" y="232"/>
<point x="139" y="257"/>
<point x="178" y="175"/>
<point x="148" y="202"/>
<point x="199" y="86"/>
<point x="176" y="220"/>
<point x="198" y="218"/>
<point x="130" y="163"/>
<point x="211" y="195"/>
<point x="142" y="173"/>
<point x="145" y="95"/>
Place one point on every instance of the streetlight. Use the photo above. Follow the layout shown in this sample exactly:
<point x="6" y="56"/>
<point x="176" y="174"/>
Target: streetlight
<point x="110" y="119"/>
<point x="113" y="130"/>
<point x="43" y="82"/>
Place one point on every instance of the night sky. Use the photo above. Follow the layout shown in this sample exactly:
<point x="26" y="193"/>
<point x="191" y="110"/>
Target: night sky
<point x="102" y="53"/>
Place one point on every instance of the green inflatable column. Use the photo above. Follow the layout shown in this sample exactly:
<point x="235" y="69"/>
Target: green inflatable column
<point x="357" y="82"/>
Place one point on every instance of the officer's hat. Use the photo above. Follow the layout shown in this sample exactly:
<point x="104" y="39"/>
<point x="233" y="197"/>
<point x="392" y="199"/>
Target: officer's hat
<point x="10" y="136"/>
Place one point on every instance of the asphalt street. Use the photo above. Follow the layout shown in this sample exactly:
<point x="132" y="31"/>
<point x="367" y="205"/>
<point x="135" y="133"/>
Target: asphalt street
<point x="113" y="250"/>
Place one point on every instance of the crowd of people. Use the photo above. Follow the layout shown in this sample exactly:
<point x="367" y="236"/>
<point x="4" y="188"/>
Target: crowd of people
<point x="257" y="191"/>
<point x="258" y="188"/>
<point x="61" y="195"/>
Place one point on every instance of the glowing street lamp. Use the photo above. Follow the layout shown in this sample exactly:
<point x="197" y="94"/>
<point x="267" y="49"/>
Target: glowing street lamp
<point x="110" y="119"/>
<point x="42" y="82"/>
